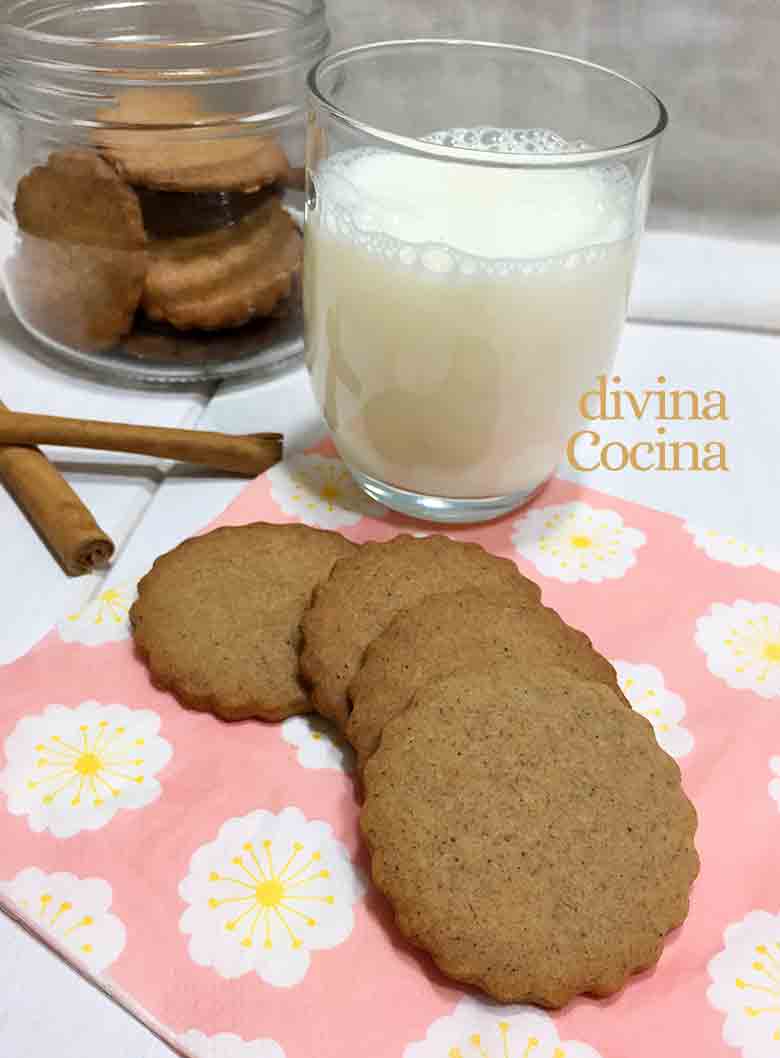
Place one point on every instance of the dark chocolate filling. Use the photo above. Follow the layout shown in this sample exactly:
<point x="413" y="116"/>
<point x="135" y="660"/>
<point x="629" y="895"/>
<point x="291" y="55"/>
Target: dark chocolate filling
<point x="173" y="214"/>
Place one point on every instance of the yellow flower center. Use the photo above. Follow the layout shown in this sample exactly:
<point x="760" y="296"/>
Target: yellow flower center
<point x="330" y="492"/>
<point x="70" y="768"/>
<point x="268" y="904"/>
<point x="110" y="595"/>
<point x="475" y="1041"/>
<point x="270" y="893"/>
<point x="581" y="542"/>
<point x="88" y="764"/>
<point x="772" y="651"/>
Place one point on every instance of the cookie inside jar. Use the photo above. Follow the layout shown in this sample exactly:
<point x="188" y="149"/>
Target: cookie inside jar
<point x="160" y="244"/>
<point x="223" y="253"/>
<point x="222" y="269"/>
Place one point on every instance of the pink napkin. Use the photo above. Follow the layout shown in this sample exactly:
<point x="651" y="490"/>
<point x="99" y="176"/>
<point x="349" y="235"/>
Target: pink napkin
<point x="211" y="876"/>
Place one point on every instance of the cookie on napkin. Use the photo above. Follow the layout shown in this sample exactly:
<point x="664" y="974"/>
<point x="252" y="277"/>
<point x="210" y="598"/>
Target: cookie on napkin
<point x="541" y="853"/>
<point x="217" y="618"/>
<point x="365" y="592"/>
<point x="458" y="630"/>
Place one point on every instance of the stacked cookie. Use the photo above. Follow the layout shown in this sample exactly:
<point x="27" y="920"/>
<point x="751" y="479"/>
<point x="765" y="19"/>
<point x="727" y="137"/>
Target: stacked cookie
<point x="522" y="821"/>
<point x="186" y="230"/>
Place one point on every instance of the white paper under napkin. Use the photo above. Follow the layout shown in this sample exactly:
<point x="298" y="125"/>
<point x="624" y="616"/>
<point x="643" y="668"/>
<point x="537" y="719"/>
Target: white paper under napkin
<point x="713" y="282"/>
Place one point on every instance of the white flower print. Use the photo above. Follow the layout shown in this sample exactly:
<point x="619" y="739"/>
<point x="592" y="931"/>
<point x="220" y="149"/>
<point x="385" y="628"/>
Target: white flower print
<point x="266" y="893"/>
<point x="321" y="492"/>
<point x="774" y="785"/>
<point x="318" y="743"/>
<point x="73" y="911"/>
<point x="644" y="687"/>
<point x="574" y="542"/>
<point x="105" y="619"/>
<point x="722" y="547"/>
<point x="73" y="769"/>
<point x="228" y="1045"/>
<point x="481" y="1030"/>
<point x="742" y="645"/>
<point x="746" y="984"/>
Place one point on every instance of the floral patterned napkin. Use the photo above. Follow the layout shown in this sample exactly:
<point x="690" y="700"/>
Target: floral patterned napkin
<point x="211" y="878"/>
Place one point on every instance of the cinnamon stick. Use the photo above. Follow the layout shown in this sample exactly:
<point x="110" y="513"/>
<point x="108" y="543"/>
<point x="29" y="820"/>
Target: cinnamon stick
<point x="250" y="454"/>
<point x="55" y="510"/>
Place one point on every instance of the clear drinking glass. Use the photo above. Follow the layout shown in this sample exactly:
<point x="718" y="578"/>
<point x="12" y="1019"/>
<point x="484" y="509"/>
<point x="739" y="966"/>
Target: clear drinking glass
<point x="472" y="219"/>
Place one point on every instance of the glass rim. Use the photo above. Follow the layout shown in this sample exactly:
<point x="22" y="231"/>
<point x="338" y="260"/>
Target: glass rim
<point x="13" y="30"/>
<point x="465" y="154"/>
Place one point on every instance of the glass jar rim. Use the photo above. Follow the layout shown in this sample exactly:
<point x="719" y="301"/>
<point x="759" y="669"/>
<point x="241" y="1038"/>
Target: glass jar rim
<point x="55" y="60"/>
<point x="9" y="28"/>
<point x="468" y="155"/>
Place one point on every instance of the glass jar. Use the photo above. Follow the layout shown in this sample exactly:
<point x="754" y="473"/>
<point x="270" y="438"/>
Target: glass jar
<point x="151" y="175"/>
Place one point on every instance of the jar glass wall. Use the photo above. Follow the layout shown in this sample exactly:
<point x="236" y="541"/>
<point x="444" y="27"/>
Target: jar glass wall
<point x="151" y="180"/>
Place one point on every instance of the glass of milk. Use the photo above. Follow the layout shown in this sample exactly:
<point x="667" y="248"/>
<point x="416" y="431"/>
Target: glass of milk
<point x="472" y="219"/>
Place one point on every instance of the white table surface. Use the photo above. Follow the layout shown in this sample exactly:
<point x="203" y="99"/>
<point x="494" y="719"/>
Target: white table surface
<point x="713" y="307"/>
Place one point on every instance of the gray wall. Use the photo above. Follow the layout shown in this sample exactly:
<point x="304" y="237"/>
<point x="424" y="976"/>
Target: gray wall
<point x="715" y="63"/>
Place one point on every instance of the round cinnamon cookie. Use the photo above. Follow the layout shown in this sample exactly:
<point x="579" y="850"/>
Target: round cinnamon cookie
<point x="77" y="198"/>
<point x="458" y="630"/>
<point x="532" y="836"/>
<point x="154" y="152"/>
<point x="217" y="618"/>
<point x="78" y="271"/>
<point x="227" y="277"/>
<point x="363" y="594"/>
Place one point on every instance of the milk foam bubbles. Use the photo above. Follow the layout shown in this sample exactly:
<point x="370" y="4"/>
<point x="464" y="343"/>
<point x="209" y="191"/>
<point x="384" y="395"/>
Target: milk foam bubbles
<point x="455" y="312"/>
<point x="496" y="214"/>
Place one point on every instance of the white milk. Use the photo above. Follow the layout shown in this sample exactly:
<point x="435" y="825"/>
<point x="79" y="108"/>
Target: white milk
<point x="455" y="313"/>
